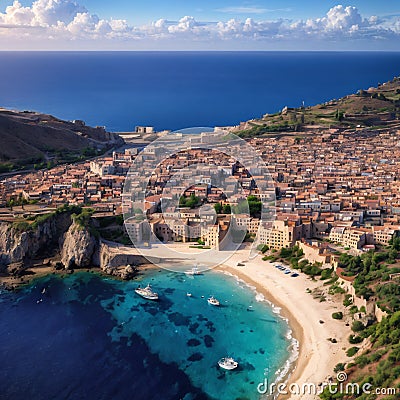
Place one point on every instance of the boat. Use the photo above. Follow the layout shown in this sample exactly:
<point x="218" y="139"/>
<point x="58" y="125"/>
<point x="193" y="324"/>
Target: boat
<point x="189" y="294"/>
<point x="213" y="301"/>
<point x="228" y="363"/>
<point x="193" y="271"/>
<point x="147" y="293"/>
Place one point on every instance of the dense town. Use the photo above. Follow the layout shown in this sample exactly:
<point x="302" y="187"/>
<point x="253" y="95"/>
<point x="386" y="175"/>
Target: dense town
<point x="336" y="187"/>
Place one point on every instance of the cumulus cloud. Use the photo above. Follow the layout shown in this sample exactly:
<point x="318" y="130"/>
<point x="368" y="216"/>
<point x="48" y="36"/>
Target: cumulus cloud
<point x="67" y="19"/>
<point x="59" y="17"/>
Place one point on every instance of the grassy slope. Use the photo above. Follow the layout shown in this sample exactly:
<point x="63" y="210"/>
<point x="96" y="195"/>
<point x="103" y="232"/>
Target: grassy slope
<point x="366" y="108"/>
<point x="31" y="137"/>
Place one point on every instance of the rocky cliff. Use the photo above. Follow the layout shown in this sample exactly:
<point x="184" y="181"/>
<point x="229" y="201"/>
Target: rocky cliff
<point x="79" y="248"/>
<point x="57" y="236"/>
<point x="21" y="245"/>
<point x="65" y="243"/>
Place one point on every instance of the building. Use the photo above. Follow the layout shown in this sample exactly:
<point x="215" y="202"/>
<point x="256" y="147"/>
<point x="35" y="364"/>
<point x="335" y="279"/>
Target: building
<point x="383" y="234"/>
<point x="349" y="237"/>
<point x="283" y="233"/>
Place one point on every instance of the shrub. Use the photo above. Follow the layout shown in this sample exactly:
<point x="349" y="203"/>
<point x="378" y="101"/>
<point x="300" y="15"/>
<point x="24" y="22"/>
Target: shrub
<point x="355" y="339"/>
<point x="348" y="300"/>
<point x="352" y="351"/>
<point x="337" y="315"/>
<point x="339" y="367"/>
<point x="357" y="326"/>
<point x="353" y="309"/>
<point x="326" y="273"/>
<point x="22" y="226"/>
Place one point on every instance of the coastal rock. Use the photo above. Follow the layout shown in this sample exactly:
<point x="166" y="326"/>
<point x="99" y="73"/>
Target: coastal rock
<point x="78" y="248"/>
<point x="128" y="273"/>
<point x="21" y="246"/>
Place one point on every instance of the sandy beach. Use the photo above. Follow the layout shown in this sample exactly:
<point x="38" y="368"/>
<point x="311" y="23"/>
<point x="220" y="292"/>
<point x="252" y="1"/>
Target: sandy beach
<point x="317" y="355"/>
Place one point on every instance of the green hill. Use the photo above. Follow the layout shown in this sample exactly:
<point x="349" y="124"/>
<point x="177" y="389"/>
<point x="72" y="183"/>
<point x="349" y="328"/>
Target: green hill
<point x="29" y="137"/>
<point x="375" y="107"/>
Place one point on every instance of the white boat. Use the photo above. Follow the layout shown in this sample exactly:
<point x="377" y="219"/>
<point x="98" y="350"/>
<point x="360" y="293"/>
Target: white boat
<point x="189" y="294"/>
<point x="213" y="301"/>
<point x="147" y="293"/>
<point x="193" y="271"/>
<point x="228" y="363"/>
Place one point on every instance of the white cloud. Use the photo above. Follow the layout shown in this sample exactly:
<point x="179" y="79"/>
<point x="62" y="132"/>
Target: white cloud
<point x="185" y="24"/>
<point x="341" y="18"/>
<point x="59" y="18"/>
<point x="250" y="10"/>
<point x="49" y="12"/>
<point x="67" y="19"/>
<point x="243" y="10"/>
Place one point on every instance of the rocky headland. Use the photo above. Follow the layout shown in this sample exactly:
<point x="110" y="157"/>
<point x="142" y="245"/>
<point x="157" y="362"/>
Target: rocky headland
<point x="62" y="241"/>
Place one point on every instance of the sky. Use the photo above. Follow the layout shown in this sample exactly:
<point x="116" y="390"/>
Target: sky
<point x="200" y="25"/>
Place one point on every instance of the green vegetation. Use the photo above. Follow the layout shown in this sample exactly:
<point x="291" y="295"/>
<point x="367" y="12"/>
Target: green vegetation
<point x="21" y="226"/>
<point x="222" y="209"/>
<point x="191" y="202"/>
<point x="348" y="300"/>
<point x="355" y="339"/>
<point x="363" y="109"/>
<point x="339" y="367"/>
<point x="371" y="271"/>
<point x="379" y="365"/>
<point x="263" y="248"/>
<point x="352" y="351"/>
<point x="337" y="315"/>
<point x="357" y="326"/>
<point x="251" y="205"/>
<point x="6" y="167"/>
<point x="33" y="222"/>
<point x="326" y="273"/>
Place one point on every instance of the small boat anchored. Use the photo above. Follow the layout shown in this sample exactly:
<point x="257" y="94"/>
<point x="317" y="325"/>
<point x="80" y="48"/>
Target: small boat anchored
<point x="213" y="301"/>
<point x="194" y="271"/>
<point x="228" y="363"/>
<point x="147" y="293"/>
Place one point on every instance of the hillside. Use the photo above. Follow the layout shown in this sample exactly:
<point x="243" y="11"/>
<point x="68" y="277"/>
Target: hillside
<point x="374" y="107"/>
<point x="29" y="137"/>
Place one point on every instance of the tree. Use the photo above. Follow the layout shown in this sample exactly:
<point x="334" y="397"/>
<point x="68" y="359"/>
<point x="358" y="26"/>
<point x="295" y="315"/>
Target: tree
<point x="227" y="209"/>
<point x="337" y="315"/>
<point x="192" y="201"/>
<point x="218" y="208"/>
<point x="357" y="326"/>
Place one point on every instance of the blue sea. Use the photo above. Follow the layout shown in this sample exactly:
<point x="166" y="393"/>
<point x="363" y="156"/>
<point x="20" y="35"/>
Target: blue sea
<point x="90" y="337"/>
<point x="176" y="90"/>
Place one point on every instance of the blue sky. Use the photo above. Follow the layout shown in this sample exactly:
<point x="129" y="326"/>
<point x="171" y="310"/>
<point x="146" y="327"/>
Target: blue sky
<point x="200" y="25"/>
<point x="150" y="10"/>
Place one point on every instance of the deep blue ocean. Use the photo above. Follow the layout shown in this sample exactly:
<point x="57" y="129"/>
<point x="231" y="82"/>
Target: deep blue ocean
<point x="89" y="337"/>
<point x="175" y="90"/>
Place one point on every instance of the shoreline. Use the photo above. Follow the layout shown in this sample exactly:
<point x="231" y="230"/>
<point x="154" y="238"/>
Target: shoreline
<point x="13" y="283"/>
<point x="309" y="320"/>
<point x="294" y="325"/>
<point x="317" y="355"/>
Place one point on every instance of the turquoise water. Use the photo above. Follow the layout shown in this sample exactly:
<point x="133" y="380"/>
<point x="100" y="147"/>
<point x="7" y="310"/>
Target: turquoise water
<point x="125" y="344"/>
